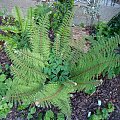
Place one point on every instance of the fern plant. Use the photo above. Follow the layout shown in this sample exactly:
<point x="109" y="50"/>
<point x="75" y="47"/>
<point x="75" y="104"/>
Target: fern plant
<point x="31" y="84"/>
<point x="17" y="34"/>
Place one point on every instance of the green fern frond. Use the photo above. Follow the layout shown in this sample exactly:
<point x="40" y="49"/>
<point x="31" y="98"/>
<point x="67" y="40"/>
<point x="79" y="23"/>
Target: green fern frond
<point x="3" y="37"/>
<point x="59" y="96"/>
<point x="64" y="33"/>
<point x="32" y="77"/>
<point x="65" y="30"/>
<point x="100" y="57"/>
<point x="39" y="38"/>
<point x="17" y="13"/>
<point x="57" y="45"/>
<point x="27" y="24"/>
<point x="21" y="31"/>
<point x="13" y="29"/>
<point x="110" y="44"/>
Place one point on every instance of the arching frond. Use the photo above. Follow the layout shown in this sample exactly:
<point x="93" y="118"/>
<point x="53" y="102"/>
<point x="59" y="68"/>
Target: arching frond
<point x="17" y="13"/>
<point x="100" y="58"/>
<point x="39" y="38"/>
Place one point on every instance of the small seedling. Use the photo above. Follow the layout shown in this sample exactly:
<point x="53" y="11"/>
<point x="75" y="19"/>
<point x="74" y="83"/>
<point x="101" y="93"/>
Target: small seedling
<point x="32" y="110"/>
<point x="102" y="114"/>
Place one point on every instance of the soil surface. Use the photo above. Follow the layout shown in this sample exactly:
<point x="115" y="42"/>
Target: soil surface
<point x="109" y="91"/>
<point x="4" y="60"/>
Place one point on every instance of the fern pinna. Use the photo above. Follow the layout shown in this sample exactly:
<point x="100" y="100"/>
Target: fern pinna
<point x="48" y="73"/>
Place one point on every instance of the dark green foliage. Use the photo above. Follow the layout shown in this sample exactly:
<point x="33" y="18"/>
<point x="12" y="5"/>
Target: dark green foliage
<point x="8" y="20"/>
<point x="102" y="114"/>
<point x="17" y="34"/>
<point x="57" y="69"/>
<point x="109" y="29"/>
<point x="58" y="13"/>
<point x="41" y="10"/>
<point x="68" y="3"/>
<point x="114" y="25"/>
<point x="22" y="40"/>
<point x="102" y="29"/>
<point x="5" y="105"/>
<point x="4" y="82"/>
<point x="49" y="115"/>
<point x="32" y="110"/>
<point x="3" y="87"/>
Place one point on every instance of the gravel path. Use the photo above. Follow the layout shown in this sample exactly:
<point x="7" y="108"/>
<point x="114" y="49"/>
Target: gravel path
<point x="106" y="12"/>
<point x="24" y="4"/>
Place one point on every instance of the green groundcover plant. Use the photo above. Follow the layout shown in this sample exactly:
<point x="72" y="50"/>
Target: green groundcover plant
<point x="50" y="71"/>
<point x="109" y="29"/>
<point x="5" y="106"/>
<point x="102" y="114"/>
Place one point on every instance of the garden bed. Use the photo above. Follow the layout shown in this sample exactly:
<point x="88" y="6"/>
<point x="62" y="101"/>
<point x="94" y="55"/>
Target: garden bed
<point x="109" y="91"/>
<point x="50" y="65"/>
<point x="81" y="103"/>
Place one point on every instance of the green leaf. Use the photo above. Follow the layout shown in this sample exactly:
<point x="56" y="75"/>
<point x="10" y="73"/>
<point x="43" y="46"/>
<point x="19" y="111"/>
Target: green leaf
<point x="54" y="71"/>
<point x="65" y="73"/>
<point x="40" y="116"/>
<point x="110" y="107"/>
<point x="21" y="107"/>
<point x="0" y="97"/>
<point x="105" y="113"/>
<point x="90" y="90"/>
<point x="32" y="110"/>
<point x="55" y="78"/>
<point x="111" y="74"/>
<point x="2" y="77"/>
<point x="57" y="69"/>
<point x="29" y="116"/>
<point x="49" y="115"/>
<point x="95" y="117"/>
<point x="46" y="70"/>
<point x="0" y="69"/>
<point x="60" y="116"/>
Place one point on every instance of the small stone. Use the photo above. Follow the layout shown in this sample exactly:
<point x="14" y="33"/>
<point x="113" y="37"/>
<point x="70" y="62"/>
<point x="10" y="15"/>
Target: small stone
<point x="89" y="114"/>
<point x="99" y="102"/>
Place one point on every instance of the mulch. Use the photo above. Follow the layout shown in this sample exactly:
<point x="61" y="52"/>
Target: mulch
<point x="83" y="103"/>
<point x="4" y="60"/>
